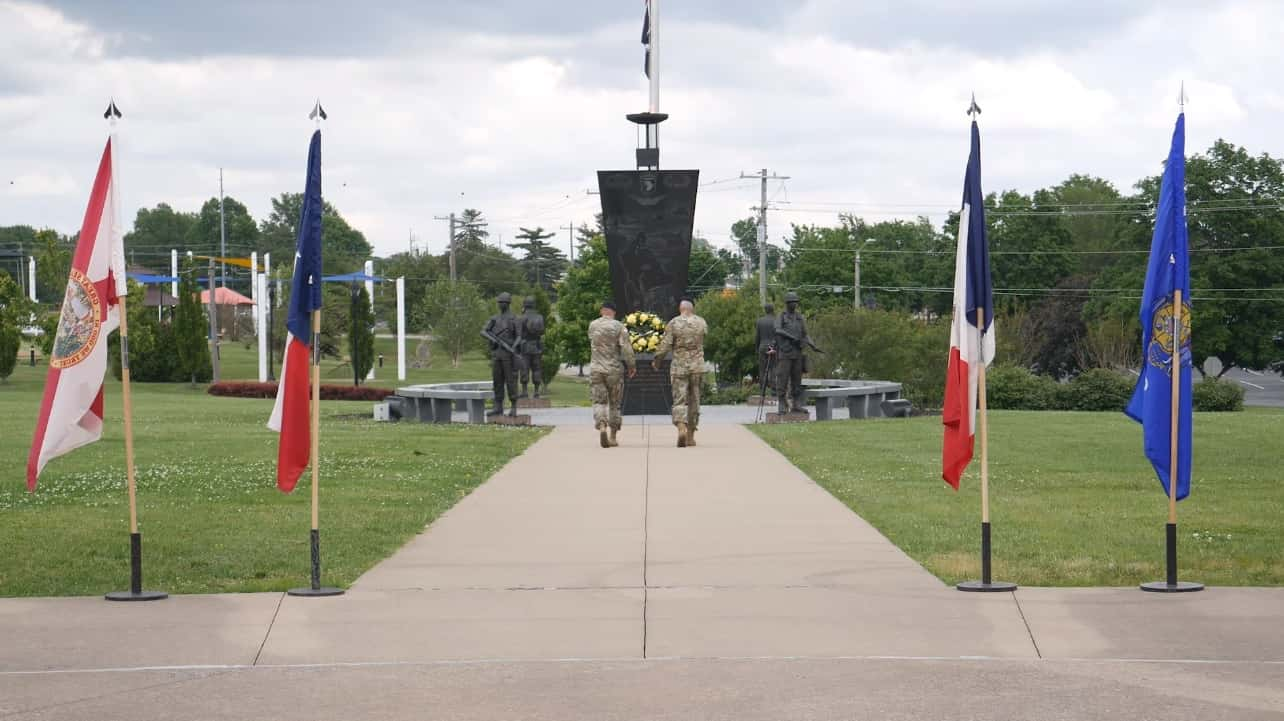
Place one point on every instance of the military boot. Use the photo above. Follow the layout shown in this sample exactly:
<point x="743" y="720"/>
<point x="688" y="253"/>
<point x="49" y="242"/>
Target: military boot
<point x="602" y="437"/>
<point x="537" y="390"/>
<point x="682" y="435"/>
<point x="691" y="436"/>
<point x="498" y="409"/>
<point x="513" y="413"/>
<point x="614" y="443"/>
<point x="523" y="393"/>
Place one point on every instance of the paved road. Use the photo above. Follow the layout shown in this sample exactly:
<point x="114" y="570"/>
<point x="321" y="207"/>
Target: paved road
<point x="649" y="582"/>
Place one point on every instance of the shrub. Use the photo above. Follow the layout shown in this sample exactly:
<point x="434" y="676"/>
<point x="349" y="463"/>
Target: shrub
<point x="251" y="389"/>
<point x="728" y="395"/>
<point x="1213" y="395"/>
<point x="883" y="345"/>
<point x="1015" y="388"/>
<point x="731" y="316"/>
<point x="1096" y="390"/>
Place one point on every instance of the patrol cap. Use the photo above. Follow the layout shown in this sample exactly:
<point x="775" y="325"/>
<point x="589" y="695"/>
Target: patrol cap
<point x="608" y="305"/>
<point x="791" y="297"/>
<point x="687" y="299"/>
<point x="505" y="298"/>
<point x="529" y="302"/>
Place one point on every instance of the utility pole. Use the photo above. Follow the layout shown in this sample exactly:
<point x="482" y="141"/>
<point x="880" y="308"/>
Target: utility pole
<point x="222" y="232"/>
<point x="453" y="223"/>
<point x="762" y="230"/>
<point x="570" y="233"/>
<point x="214" y="325"/>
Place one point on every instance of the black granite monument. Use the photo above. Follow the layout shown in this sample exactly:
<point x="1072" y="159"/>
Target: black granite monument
<point x="649" y="215"/>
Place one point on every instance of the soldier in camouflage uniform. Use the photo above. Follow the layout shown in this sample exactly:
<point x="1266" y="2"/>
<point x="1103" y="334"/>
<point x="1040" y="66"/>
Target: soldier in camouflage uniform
<point x="684" y="337"/>
<point x="531" y="346"/>
<point x="501" y="332"/>
<point x="609" y="341"/>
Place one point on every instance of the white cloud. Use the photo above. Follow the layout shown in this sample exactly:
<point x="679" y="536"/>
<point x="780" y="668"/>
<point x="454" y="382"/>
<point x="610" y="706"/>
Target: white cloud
<point x="856" y="106"/>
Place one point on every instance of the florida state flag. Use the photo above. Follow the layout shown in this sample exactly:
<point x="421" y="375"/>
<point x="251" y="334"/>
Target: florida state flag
<point x="71" y="413"/>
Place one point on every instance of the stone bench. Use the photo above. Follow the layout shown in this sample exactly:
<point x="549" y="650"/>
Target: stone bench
<point x="864" y="399"/>
<point x="433" y="403"/>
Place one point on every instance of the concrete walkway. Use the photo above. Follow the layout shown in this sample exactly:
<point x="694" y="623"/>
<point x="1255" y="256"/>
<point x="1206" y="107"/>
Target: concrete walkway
<point x="648" y="582"/>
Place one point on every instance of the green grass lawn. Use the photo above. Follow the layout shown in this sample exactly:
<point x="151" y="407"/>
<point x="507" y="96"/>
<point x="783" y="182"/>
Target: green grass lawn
<point x="241" y="362"/>
<point x="1073" y="501"/>
<point x="211" y="517"/>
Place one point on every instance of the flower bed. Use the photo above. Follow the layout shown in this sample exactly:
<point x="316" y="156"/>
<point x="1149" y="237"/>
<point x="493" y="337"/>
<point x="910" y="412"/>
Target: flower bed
<point x="251" y="389"/>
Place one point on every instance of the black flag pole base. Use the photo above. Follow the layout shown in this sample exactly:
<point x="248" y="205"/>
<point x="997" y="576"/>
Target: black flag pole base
<point x="1171" y="584"/>
<point x="983" y="587"/>
<point x="136" y="592"/>
<point x="316" y="589"/>
<point x="140" y="596"/>
<point x="1165" y="587"/>
<point x="986" y="584"/>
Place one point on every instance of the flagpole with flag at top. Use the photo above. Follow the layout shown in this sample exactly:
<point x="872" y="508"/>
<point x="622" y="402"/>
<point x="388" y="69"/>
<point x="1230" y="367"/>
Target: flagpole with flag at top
<point x="1162" y="400"/>
<point x="971" y="350"/>
<point x="94" y="305"/>
<point x="297" y="412"/>
<point x="135" y="592"/>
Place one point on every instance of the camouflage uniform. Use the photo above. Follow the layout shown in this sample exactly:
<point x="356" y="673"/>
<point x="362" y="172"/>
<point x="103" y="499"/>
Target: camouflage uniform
<point x="609" y="341"/>
<point x="684" y="337"/>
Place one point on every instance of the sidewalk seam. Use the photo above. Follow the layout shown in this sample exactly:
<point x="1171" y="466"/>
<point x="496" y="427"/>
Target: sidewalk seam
<point x="1029" y="631"/>
<point x="646" y="513"/>
<point x="271" y="623"/>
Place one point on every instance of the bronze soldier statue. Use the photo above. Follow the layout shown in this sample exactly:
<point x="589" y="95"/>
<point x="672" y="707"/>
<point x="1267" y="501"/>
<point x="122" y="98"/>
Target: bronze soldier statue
<point x="531" y="345"/>
<point x="684" y="337"/>
<point x="791" y="343"/>
<point x="501" y="331"/>
<point x="764" y="342"/>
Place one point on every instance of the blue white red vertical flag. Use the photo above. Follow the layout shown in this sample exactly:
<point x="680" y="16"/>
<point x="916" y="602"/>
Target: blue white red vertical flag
<point x="71" y="411"/>
<point x="646" y="39"/>
<point x="1168" y="270"/>
<point x="971" y="345"/>
<point x="291" y="415"/>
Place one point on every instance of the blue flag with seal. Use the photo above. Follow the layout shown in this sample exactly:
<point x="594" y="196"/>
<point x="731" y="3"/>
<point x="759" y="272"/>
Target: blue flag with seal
<point x="1165" y="332"/>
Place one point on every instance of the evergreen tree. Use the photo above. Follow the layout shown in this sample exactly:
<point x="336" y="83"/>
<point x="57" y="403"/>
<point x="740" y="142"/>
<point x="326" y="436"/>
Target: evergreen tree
<point x="543" y="264"/>
<point x="361" y="334"/>
<point x="191" y="328"/>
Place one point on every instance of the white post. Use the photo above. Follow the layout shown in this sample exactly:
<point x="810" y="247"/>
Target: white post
<point x="369" y="271"/>
<point x="254" y="286"/>
<point x="655" y="56"/>
<point x="401" y="328"/>
<point x="260" y="320"/>
<point x="173" y="273"/>
<point x="31" y="278"/>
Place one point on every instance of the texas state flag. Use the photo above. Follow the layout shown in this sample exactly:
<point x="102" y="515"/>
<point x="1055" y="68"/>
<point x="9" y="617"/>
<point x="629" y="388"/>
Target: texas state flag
<point x="971" y="343"/>
<point x="290" y="416"/>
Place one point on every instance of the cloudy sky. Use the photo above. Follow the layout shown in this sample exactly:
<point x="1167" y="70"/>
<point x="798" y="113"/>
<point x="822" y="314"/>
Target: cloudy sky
<point x="511" y="105"/>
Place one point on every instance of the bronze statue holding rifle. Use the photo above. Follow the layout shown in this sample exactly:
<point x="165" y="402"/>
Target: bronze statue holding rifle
<point x="502" y="332"/>
<point x="792" y="343"/>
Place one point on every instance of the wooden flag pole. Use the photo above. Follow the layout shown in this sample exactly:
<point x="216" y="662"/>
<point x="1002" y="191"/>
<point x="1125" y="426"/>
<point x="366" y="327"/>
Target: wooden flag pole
<point x="1176" y="422"/>
<point x="315" y="588"/>
<point x="1170" y="584"/>
<point x="135" y="592"/>
<point x="987" y="583"/>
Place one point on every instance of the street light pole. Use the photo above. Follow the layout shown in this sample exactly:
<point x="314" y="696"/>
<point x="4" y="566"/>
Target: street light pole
<point x="856" y="276"/>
